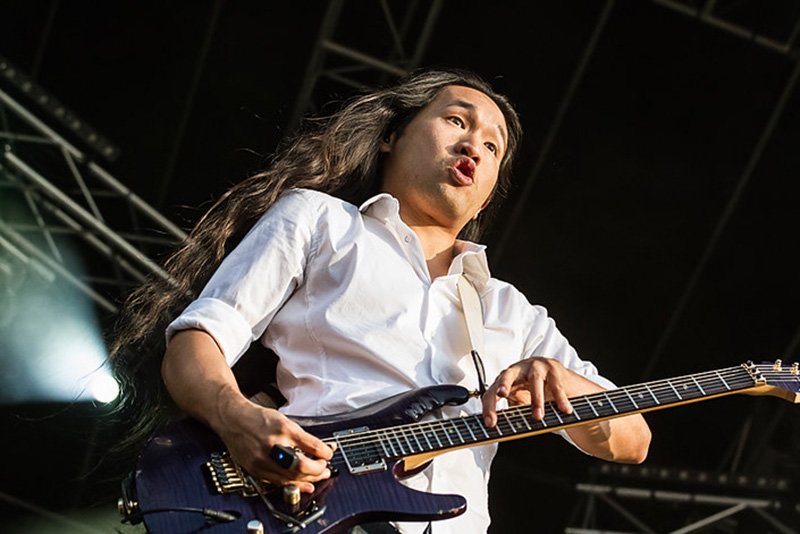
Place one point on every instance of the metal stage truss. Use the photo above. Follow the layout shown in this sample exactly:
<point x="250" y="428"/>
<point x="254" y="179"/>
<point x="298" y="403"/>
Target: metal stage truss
<point x="56" y="197"/>
<point x="408" y="26"/>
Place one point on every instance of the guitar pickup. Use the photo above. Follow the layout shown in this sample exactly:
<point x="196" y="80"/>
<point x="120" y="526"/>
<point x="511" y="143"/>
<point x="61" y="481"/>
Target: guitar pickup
<point x="361" y="455"/>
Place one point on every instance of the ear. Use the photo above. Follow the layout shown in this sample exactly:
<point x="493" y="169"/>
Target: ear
<point x="387" y="142"/>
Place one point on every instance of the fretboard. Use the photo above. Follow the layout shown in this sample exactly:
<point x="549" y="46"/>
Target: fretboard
<point x="517" y="422"/>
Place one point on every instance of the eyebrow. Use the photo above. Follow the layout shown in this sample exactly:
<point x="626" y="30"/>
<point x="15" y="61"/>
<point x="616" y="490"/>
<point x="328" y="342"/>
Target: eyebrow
<point x="471" y="107"/>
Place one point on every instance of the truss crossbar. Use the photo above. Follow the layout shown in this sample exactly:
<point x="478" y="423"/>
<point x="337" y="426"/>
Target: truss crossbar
<point x="52" y="189"/>
<point x="369" y="64"/>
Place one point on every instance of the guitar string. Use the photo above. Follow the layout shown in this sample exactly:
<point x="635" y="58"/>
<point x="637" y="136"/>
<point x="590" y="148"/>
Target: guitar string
<point x="738" y="377"/>
<point x="428" y="428"/>
<point x="614" y="394"/>
<point x="403" y="431"/>
<point x="399" y="435"/>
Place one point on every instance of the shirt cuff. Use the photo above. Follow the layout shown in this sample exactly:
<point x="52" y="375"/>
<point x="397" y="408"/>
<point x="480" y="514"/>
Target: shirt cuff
<point x="221" y="321"/>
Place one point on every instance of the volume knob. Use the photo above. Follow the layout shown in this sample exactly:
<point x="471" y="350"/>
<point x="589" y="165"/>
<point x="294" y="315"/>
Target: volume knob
<point x="291" y="494"/>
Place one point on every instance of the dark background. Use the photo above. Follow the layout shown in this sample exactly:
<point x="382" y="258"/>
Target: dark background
<point x="655" y="211"/>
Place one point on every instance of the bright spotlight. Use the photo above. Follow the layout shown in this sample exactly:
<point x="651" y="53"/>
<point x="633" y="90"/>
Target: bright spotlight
<point x="104" y="388"/>
<point x="51" y="347"/>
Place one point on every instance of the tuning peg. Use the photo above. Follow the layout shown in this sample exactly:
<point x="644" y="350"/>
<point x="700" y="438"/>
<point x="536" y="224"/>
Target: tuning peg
<point x="795" y="370"/>
<point x="777" y="365"/>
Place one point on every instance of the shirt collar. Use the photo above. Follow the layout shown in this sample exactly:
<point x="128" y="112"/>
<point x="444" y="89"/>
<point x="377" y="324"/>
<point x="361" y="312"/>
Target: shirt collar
<point x="382" y="206"/>
<point x="470" y="258"/>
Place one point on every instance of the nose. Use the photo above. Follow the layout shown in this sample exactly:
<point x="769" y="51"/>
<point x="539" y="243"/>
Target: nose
<point x="466" y="147"/>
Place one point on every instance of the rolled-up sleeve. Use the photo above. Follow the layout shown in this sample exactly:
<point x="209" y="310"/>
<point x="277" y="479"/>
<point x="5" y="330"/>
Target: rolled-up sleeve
<point x="256" y="278"/>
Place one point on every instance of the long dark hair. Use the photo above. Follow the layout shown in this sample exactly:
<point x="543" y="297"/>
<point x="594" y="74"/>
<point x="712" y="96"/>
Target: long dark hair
<point x="338" y="155"/>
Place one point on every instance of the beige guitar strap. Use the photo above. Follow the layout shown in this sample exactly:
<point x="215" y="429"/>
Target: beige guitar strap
<point x="473" y="316"/>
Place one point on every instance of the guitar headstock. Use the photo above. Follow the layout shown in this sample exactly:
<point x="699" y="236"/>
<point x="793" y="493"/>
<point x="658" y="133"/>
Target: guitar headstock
<point x="776" y="379"/>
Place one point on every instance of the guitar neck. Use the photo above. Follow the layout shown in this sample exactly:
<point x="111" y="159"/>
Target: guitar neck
<point x="427" y="438"/>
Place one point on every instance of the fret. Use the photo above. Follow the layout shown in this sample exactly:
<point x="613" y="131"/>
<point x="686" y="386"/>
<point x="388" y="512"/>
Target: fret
<point x="713" y="384"/>
<point x="425" y="436"/>
<point x="408" y="441"/>
<point x="675" y="390"/>
<point x="639" y="394"/>
<point x="475" y="427"/>
<point x="554" y="411"/>
<point x="383" y="446"/>
<point x="511" y="427"/>
<point x="688" y="389"/>
<point x="598" y="405"/>
<point x="613" y="406"/>
<point x="455" y="428"/>
<point x="517" y="414"/>
<point x="588" y="402"/>
<point x="623" y="401"/>
<point x="650" y="391"/>
<point x="398" y="442"/>
<point x="498" y="429"/>
<point x="631" y="398"/>
<point x="524" y="416"/>
<point x="480" y="425"/>
<point x="723" y="381"/>
<point x="435" y="436"/>
<point x="698" y="385"/>
<point x="414" y="435"/>
<point x="446" y="434"/>
<point x="665" y="392"/>
<point x="466" y="424"/>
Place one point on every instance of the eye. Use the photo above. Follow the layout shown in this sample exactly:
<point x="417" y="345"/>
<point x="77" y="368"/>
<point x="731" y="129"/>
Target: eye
<point x="458" y="121"/>
<point x="492" y="148"/>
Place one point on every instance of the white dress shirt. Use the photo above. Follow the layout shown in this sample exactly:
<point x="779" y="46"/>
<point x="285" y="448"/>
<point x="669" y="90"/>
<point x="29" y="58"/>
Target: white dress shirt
<point x="343" y="295"/>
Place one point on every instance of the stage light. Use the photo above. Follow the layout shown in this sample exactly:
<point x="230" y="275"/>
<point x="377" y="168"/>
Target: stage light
<point x="104" y="389"/>
<point x="51" y="346"/>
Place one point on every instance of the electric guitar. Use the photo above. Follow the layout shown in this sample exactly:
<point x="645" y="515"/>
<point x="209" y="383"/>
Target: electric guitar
<point x="186" y="482"/>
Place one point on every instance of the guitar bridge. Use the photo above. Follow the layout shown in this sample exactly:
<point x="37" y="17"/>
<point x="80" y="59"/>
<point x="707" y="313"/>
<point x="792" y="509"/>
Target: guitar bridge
<point x="228" y="477"/>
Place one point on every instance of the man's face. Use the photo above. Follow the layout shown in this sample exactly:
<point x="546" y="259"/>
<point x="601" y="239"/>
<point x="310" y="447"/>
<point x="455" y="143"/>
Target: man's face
<point x="443" y="166"/>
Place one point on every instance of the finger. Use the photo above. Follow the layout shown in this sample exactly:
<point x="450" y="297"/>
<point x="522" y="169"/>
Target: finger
<point x="561" y="399"/>
<point x="536" y="387"/>
<point x="554" y="384"/>
<point x="499" y="389"/>
<point x="311" y="445"/>
<point x="312" y="468"/>
<point x="304" y="484"/>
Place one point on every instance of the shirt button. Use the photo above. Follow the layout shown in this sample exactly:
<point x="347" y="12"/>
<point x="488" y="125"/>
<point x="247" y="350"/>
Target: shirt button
<point x="407" y="239"/>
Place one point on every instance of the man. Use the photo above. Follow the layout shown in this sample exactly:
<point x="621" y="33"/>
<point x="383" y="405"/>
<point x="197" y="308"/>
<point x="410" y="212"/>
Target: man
<point x="359" y="301"/>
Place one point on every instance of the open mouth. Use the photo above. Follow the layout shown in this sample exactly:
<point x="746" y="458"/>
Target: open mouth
<point x="466" y="167"/>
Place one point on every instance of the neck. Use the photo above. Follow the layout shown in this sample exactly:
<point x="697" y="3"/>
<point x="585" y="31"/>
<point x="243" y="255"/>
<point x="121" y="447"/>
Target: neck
<point x="438" y="246"/>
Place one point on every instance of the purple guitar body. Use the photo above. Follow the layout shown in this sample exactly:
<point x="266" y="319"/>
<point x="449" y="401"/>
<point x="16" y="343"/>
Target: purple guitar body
<point x="172" y="473"/>
<point x="186" y="465"/>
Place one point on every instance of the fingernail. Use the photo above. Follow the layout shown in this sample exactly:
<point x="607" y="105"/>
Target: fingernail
<point x="487" y="420"/>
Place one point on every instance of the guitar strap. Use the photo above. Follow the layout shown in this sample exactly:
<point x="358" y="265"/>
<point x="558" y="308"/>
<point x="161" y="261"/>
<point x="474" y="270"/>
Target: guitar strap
<point x="473" y="317"/>
<point x="473" y="312"/>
